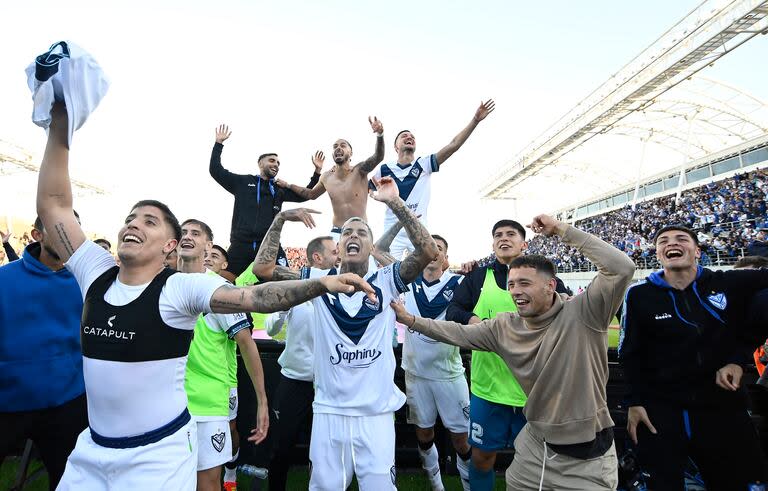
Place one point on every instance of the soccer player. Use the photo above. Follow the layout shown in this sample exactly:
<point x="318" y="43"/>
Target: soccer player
<point x="412" y="175"/>
<point x="208" y="380"/>
<point x="680" y="326"/>
<point x="497" y="399"/>
<point x="292" y="403"/>
<point x="216" y="259"/>
<point x="434" y="375"/>
<point x="347" y="185"/>
<point x="136" y="330"/>
<point x="353" y="430"/>
<point x="557" y="348"/>
<point x="257" y="200"/>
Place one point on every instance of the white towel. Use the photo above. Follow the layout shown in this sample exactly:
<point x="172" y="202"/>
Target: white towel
<point x="65" y="73"/>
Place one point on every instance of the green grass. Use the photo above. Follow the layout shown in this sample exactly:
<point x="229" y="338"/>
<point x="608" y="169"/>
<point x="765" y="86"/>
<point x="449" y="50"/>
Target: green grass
<point x="297" y="479"/>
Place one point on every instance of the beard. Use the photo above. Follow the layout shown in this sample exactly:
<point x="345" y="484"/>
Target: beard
<point x="51" y="252"/>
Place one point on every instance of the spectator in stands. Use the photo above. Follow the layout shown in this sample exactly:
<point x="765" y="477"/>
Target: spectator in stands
<point x="759" y="246"/>
<point x="42" y="393"/>
<point x="677" y="346"/>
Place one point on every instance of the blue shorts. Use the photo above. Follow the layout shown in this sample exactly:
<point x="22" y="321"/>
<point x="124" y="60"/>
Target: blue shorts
<point x="493" y="426"/>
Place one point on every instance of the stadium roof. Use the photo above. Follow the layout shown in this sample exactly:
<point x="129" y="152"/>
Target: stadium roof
<point x="644" y="114"/>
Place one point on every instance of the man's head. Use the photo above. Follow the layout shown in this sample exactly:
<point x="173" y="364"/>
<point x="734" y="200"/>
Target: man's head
<point x="761" y="234"/>
<point x="355" y="242"/>
<point x="39" y="234"/>
<point x="322" y="252"/>
<point x="405" y="141"/>
<point x="677" y="248"/>
<point x="216" y="259"/>
<point x="269" y="164"/>
<point x="342" y="151"/>
<point x="196" y="239"/>
<point x="508" y="240"/>
<point x="751" y="262"/>
<point x="532" y="283"/>
<point x="441" y="260"/>
<point x="151" y="231"/>
<point x="104" y="244"/>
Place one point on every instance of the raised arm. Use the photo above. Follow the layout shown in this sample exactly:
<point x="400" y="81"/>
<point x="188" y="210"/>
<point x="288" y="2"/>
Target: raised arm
<point x="264" y="266"/>
<point x="228" y="180"/>
<point x="381" y="247"/>
<point x="604" y="295"/>
<point x="484" y="110"/>
<point x="371" y="162"/>
<point x="54" y="189"/>
<point x="9" y="252"/>
<point x="282" y="295"/>
<point x="307" y="193"/>
<point x="424" y="247"/>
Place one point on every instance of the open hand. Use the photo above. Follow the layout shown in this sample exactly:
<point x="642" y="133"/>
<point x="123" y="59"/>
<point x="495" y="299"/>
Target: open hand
<point x="222" y="133"/>
<point x="484" y="110"/>
<point x="318" y="159"/>
<point x="6" y="236"/>
<point x="386" y="190"/>
<point x="303" y="215"/>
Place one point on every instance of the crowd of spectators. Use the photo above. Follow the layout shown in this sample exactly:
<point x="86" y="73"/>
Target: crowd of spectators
<point x="297" y="257"/>
<point x="727" y="215"/>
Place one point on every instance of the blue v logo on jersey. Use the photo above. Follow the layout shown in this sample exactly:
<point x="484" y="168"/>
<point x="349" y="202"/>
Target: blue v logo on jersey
<point x="354" y="326"/>
<point x="718" y="300"/>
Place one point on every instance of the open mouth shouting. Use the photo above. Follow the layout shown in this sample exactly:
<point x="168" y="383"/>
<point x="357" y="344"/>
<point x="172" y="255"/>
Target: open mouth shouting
<point x="353" y="249"/>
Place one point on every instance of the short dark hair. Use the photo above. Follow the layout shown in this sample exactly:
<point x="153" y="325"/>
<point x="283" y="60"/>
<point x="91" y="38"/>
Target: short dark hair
<point x="168" y="215"/>
<point x="264" y="155"/>
<point x="440" y="237"/>
<point x="508" y="223"/>
<point x="752" y="262"/>
<point x="536" y="261"/>
<point x="222" y="251"/>
<point x="316" y="245"/>
<point x="347" y="142"/>
<point x="200" y="224"/>
<point x="678" y="227"/>
<point x="38" y="225"/>
<point x="103" y="241"/>
<point x="401" y="132"/>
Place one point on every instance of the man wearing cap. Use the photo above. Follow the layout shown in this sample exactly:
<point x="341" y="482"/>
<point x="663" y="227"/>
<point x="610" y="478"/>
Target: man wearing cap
<point x="678" y="347"/>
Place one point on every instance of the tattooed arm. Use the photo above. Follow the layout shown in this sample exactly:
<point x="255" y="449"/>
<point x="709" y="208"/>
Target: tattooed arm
<point x="371" y="162"/>
<point x="282" y="295"/>
<point x="264" y="266"/>
<point x="381" y="247"/>
<point x="54" y="189"/>
<point x="424" y="247"/>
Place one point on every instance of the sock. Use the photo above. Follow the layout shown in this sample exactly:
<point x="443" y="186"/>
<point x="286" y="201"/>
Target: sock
<point x="462" y="465"/>
<point x="481" y="480"/>
<point x="428" y="456"/>
<point x="230" y="468"/>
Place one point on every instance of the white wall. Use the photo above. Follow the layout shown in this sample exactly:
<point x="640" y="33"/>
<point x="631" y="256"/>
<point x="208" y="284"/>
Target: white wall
<point x="582" y="279"/>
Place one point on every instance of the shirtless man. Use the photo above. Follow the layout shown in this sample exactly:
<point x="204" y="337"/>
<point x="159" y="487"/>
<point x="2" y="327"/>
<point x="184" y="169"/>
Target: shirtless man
<point x="347" y="185"/>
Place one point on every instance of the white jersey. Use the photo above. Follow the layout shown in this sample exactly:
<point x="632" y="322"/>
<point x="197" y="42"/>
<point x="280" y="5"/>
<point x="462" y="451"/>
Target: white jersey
<point x="422" y="355"/>
<point x="354" y="361"/>
<point x="131" y="398"/>
<point x="297" y="359"/>
<point x="413" y="184"/>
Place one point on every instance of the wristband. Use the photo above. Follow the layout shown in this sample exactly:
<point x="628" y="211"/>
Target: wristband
<point x="380" y="135"/>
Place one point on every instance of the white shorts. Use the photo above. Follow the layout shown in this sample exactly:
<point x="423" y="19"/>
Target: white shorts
<point x="428" y="398"/>
<point x="234" y="402"/>
<point x="399" y="247"/>
<point x="167" y="464"/>
<point x="214" y="444"/>
<point x="343" y="446"/>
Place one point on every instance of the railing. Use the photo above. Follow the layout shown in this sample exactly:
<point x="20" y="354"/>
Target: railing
<point x="719" y="259"/>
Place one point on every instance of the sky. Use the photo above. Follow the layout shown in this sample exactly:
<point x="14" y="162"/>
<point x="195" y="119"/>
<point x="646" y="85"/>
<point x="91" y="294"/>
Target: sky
<point x="292" y="76"/>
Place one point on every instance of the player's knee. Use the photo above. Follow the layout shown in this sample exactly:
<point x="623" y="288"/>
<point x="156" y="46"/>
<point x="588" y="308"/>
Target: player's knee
<point x="460" y="442"/>
<point x="483" y="460"/>
<point x="425" y="435"/>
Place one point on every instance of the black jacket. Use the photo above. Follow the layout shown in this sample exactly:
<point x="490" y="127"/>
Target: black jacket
<point x="673" y="342"/>
<point x="257" y="200"/>
<point x="9" y="252"/>
<point x="758" y="248"/>
<point x="466" y="295"/>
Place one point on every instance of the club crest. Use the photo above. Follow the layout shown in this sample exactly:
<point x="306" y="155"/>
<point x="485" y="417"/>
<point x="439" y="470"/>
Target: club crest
<point x="217" y="440"/>
<point x="415" y="172"/>
<point x="373" y="305"/>
<point x="448" y="295"/>
<point x="718" y="300"/>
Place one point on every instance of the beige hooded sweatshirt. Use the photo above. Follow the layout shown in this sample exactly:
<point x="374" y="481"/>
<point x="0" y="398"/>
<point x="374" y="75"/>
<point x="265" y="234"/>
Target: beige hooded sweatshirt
<point x="560" y="358"/>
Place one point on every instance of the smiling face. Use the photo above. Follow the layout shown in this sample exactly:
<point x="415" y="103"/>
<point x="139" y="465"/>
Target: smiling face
<point x="677" y="251"/>
<point x="215" y="260"/>
<point x="269" y="165"/>
<point x="531" y="290"/>
<point x="405" y="141"/>
<point x="508" y="243"/>
<point x="194" y="242"/>
<point x="145" y="237"/>
<point x="327" y="257"/>
<point x="355" y="243"/>
<point x="440" y="262"/>
<point x="342" y="151"/>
